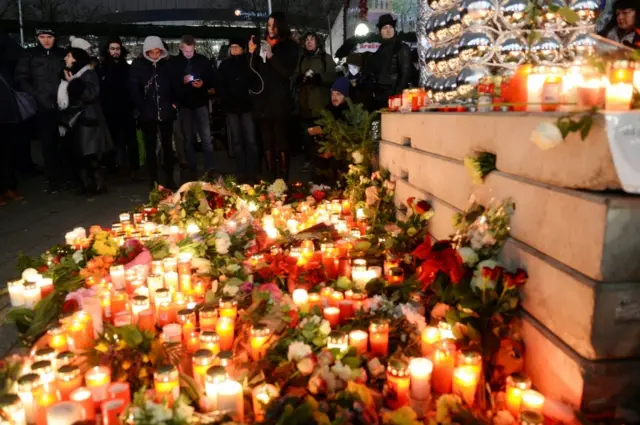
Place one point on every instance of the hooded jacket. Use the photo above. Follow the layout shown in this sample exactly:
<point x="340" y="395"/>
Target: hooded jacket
<point x="38" y="73"/>
<point x="114" y="84"/>
<point x="200" y="68"/>
<point x="153" y="86"/>
<point x="314" y="91"/>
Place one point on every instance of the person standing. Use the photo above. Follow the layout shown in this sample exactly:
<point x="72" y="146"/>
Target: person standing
<point x="196" y="79"/>
<point x="272" y="67"/>
<point x="315" y="74"/>
<point x="390" y="64"/>
<point x="38" y="74"/>
<point x="78" y="99"/>
<point x="624" y="27"/>
<point x="155" y="95"/>
<point x="233" y="89"/>
<point x="118" y="106"/>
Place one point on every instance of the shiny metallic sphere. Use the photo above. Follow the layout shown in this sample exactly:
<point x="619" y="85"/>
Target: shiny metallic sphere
<point x="469" y="78"/>
<point x="453" y="60"/>
<point x="512" y="13"/>
<point x="580" y="46"/>
<point x="477" y="12"/>
<point x="587" y="10"/>
<point x="512" y="49"/>
<point x="475" y="45"/>
<point x="438" y="90"/>
<point x="450" y="92"/>
<point x="455" y="22"/>
<point x="430" y="60"/>
<point x="429" y="28"/>
<point x="547" y="49"/>
<point x="550" y="19"/>
<point x="441" y="25"/>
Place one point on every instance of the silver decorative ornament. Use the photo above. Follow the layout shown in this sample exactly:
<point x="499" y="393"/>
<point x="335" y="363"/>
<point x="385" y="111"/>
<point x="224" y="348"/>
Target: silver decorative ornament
<point x="442" y="27"/>
<point x="455" y="22"/>
<point x="587" y="11"/>
<point x="453" y="61"/>
<point x="512" y="49"/>
<point x="477" y="12"/>
<point x="580" y="46"/>
<point x="430" y="60"/>
<point x="450" y="92"/>
<point x="550" y="19"/>
<point x="441" y="61"/>
<point x="438" y="90"/>
<point x="475" y="45"/>
<point x="469" y="78"/>
<point x="428" y="86"/>
<point x="512" y="13"/>
<point x="429" y="28"/>
<point x="547" y="49"/>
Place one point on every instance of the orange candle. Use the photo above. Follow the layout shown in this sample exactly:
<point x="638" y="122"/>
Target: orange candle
<point x="68" y="380"/>
<point x="210" y="341"/>
<point x="146" y="321"/>
<point x="84" y="396"/>
<point x="58" y="339"/>
<point x="335" y="298"/>
<point x="465" y="383"/>
<point x="228" y="307"/>
<point x="118" y="302"/>
<point x="208" y="317"/>
<point x="396" y="276"/>
<point x="430" y="335"/>
<point x="225" y="328"/>
<point x="185" y="283"/>
<point x="80" y="332"/>
<point x="379" y="337"/>
<point x="111" y="411"/>
<point x="166" y="314"/>
<point x="346" y="207"/>
<point x="260" y="334"/>
<point x="359" y="302"/>
<point x="473" y="359"/>
<point x="167" y="384"/>
<point x="344" y="266"/>
<point x="201" y="362"/>
<point x="518" y="91"/>
<point x="187" y="319"/>
<point x="399" y="381"/>
<point x="332" y="314"/>
<point x="517" y="383"/>
<point x="44" y="397"/>
<point x="532" y="401"/>
<point x="443" y="364"/>
<point x="120" y="391"/>
<point x="359" y="340"/>
<point x="98" y="379"/>
<point x="347" y="310"/>
<point x="262" y="395"/>
<point x="325" y="294"/>
<point x="192" y="342"/>
<point x="314" y="300"/>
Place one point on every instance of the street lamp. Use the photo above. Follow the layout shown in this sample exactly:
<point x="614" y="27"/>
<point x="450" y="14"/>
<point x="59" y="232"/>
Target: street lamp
<point x="362" y="29"/>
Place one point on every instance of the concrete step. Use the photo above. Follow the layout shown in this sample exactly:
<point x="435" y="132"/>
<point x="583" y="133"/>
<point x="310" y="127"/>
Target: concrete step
<point x="584" y="230"/>
<point x="573" y="164"/>
<point x="597" y="320"/>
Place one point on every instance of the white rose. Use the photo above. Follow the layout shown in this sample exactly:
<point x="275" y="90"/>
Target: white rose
<point x="223" y="242"/>
<point x="230" y="290"/>
<point x="77" y="256"/>
<point x="29" y="274"/>
<point x="546" y="136"/>
<point x="469" y="256"/>
<point x="342" y="371"/>
<point x="297" y="351"/>
<point x="201" y="265"/>
<point x="357" y="157"/>
<point x="325" y="328"/>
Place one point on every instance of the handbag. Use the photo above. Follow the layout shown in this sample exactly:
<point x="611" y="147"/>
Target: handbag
<point x="27" y="105"/>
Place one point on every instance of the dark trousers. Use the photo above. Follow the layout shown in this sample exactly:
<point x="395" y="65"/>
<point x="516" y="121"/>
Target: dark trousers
<point x="50" y="138"/>
<point x="192" y="122"/>
<point x="150" y="131"/>
<point x="123" y="135"/>
<point x="8" y="158"/>
<point x="275" y="135"/>
<point x="308" y="143"/>
<point x="243" y="144"/>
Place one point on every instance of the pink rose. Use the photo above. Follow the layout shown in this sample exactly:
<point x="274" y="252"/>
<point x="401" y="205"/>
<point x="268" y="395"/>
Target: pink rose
<point x="440" y="311"/>
<point x="141" y="259"/>
<point x="325" y="358"/>
<point x="317" y="385"/>
<point x="372" y="195"/>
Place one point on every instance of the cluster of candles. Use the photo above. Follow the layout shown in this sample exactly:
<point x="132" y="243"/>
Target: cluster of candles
<point x="26" y="292"/>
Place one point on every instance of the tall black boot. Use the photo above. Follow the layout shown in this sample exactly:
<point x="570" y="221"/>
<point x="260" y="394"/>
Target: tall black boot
<point x="284" y="166"/>
<point x="271" y="165"/>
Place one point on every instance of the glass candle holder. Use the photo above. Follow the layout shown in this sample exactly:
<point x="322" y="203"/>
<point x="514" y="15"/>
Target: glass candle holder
<point x="202" y="360"/>
<point x="225" y="358"/>
<point x="228" y="307"/>
<point x="16" y="292"/>
<point x="210" y="341"/>
<point x="471" y="358"/>
<point x="528" y="417"/>
<point x="444" y="360"/>
<point x="31" y="294"/>
<point x="207" y="317"/>
<point x="84" y="397"/>
<point x="396" y="276"/>
<point x="187" y="319"/>
<point x="44" y="369"/>
<point x="166" y="384"/>
<point x="260" y="335"/>
<point x="359" y="301"/>
<point x="225" y="328"/>
<point x="420" y="370"/>
<point x="532" y="401"/>
<point x="64" y="358"/>
<point x="26" y="386"/>
<point x="338" y="340"/>
<point x="465" y="383"/>
<point x="430" y="335"/>
<point x="11" y="406"/>
<point x="157" y="267"/>
<point x="301" y="300"/>
<point x="97" y="379"/>
<point x="139" y="303"/>
<point x="379" y="337"/>
<point x="215" y="375"/>
<point x="359" y="340"/>
<point x="446" y="330"/>
<point x="332" y="314"/>
<point x="170" y="264"/>
<point x="45" y="353"/>
<point x="68" y="380"/>
<point x="399" y="381"/>
<point x="517" y="383"/>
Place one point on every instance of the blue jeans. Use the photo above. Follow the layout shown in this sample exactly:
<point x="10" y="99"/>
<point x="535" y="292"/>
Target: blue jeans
<point x="192" y="121"/>
<point x="243" y="143"/>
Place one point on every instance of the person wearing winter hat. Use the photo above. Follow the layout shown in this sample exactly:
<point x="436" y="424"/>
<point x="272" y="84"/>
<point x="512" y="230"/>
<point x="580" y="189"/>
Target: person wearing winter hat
<point x="82" y="118"/>
<point x="80" y="43"/>
<point x="390" y="65"/>
<point x="155" y="94"/>
<point x="233" y="90"/>
<point x="38" y="73"/>
<point x="624" y="26"/>
<point x="117" y="106"/>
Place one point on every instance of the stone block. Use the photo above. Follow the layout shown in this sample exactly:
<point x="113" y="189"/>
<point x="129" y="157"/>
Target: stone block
<point x="597" y="320"/>
<point x="574" y="164"/>
<point x="552" y="220"/>
<point x="588" y="386"/>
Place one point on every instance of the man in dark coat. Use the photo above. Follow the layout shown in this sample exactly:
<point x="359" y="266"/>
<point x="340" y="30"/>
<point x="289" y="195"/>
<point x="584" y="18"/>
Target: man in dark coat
<point x="195" y="77"/>
<point x="155" y="94"/>
<point x="273" y="65"/>
<point x="233" y="90"/>
<point x="118" y="106"/>
<point x="390" y="64"/>
<point x="38" y="73"/>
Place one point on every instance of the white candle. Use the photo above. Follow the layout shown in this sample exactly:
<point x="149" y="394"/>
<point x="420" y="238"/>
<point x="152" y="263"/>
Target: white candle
<point x="171" y="281"/>
<point x="172" y="332"/>
<point x="154" y="282"/>
<point x="618" y="97"/>
<point x="420" y="370"/>
<point x="98" y="379"/>
<point x="301" y="299"/>
<point x="376" y="270"/>
<point x="117" y="276"/>
<point x="230" y="399"/>
<point x="192" y="229"/>
<point x="30" y="275"/>
<point x="16" y="293"/>
<point x="31" y="294"/>
<point x="92" y="306"/>
<point x="26" y="385"/>
<point x="65" y="413"/>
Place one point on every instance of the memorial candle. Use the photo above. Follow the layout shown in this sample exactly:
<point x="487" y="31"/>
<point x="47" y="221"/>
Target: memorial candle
<point x="146" y="320"/>
<point x="12" y="408"/>
<point x="170" y="264"/>
<point x="228" y="307"/>
<point x="44" y="397"/>
<point x="138" y="303"/>
<point x="65" y="413"/>
<point x="335" y="298"/>
<point x="347" y="310"/>
<point x="532" y="401"/>
<point x="359" y="302"/>
<point x="465" y="383"/>
<point x="172" y="333"/>
<point x="80" y="332"/>
<point x="171" y="281"/>
<point x="31" y="294"/>
<point x="117" y="276"/>
<point x="26" y="386"/>
<point x="399" y="381"/>
<point x="215" y="376"/>
<point x="332" y="314"/>
<point x="517" y="383"/>
<point x="301" y="300"/>
<point x="430" y="335"/>
<point x="446" y="331"/>
<point x="325" y="294"/>
<point x="157" y="267"/>
<point x="166" y="384"/>
<point x="16" y="292"/>
<point x="97" y="380"/>
<point x="84" y="397"/>
<point x="338" y="340"/>
<point x="44" y="369"/>
<point x="118" y="302"/>
<point x="207" y="316"/>
<point x="154" y="283"/>
<point x="443" y="364"/>
<point x="185" y="284"/>
<point x="187" y="318"/>
<point x="359" y="339"/>
<point x="120" y="391"/>
<point x="58" y="339"/>
<point x="260" y="335"/>
<point x="192" y="342"/>
<point x="471" y="358"/>
<point x="420" y="370"/>
<point x="64" y="358"/>
<point x="379" y="337"/>
<point x="262" y="394"/>
<point x="202" y="360"/>
<point x="230" y="399"/>
<point x="68" y="380"/>
<point x="111" y="411"/>
<point x="225" y="328"/>
<point x="166" y="314"/>
<point x="315" y="300"/>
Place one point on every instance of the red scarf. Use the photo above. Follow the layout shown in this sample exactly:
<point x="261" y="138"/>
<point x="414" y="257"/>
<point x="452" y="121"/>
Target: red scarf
<point x="272" y="41"/>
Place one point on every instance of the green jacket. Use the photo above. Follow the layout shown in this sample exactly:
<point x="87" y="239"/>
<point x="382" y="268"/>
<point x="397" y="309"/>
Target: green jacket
<point x="315" y="92"/>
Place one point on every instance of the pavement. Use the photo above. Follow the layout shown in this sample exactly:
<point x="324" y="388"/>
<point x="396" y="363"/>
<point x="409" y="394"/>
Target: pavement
<point x="40" y="221"/>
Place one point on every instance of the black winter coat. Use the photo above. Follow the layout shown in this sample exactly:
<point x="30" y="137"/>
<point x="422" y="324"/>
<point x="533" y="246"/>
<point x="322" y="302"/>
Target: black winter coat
<point x="10" y="53"/>
<point x="391" y="67"/>
<point x="275" y="100"/>
<point x="38" y="73"/>
<point x="233" y="85"/>
<point x="200" y="68"/>
<point x="114" y="90"/>
<point x="154" y="89"/>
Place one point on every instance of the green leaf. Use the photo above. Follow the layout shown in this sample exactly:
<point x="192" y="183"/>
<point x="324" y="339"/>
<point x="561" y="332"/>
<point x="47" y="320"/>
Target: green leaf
<point x="568" y="15"/>
<point x="352" y="362"/>
<point x="131" y="335"/>
<point x="587" y="123"/>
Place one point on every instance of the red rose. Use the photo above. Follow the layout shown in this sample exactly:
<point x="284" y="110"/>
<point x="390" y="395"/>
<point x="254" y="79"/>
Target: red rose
<point x="318" y="195"/>
<point x="492" y="274"/>
<point x="441" y="257"/>
<point x="410" y="201"/>
<point x="297" y="196"/>
<point x="70" y="306"/>
<point x="295" y="318"/>
<point x="515" y="280"/>
<point x="422" y="207"/>
<point x="43" y="269"/>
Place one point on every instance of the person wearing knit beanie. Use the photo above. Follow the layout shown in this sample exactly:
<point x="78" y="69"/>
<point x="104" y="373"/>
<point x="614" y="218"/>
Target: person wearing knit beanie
<point x="80" y="43"/>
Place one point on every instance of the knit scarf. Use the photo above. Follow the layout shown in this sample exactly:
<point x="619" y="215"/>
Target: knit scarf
<point x="272" y="41"/>
<point x="63" y="94"/>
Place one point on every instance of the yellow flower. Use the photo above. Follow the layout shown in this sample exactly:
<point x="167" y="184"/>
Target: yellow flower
<point x="102" y="347"/>
<point x="145" y="358"/>
<point x="143" y="373"/>
<point x="251" y="192"/>
<point x="126" y="364"/>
